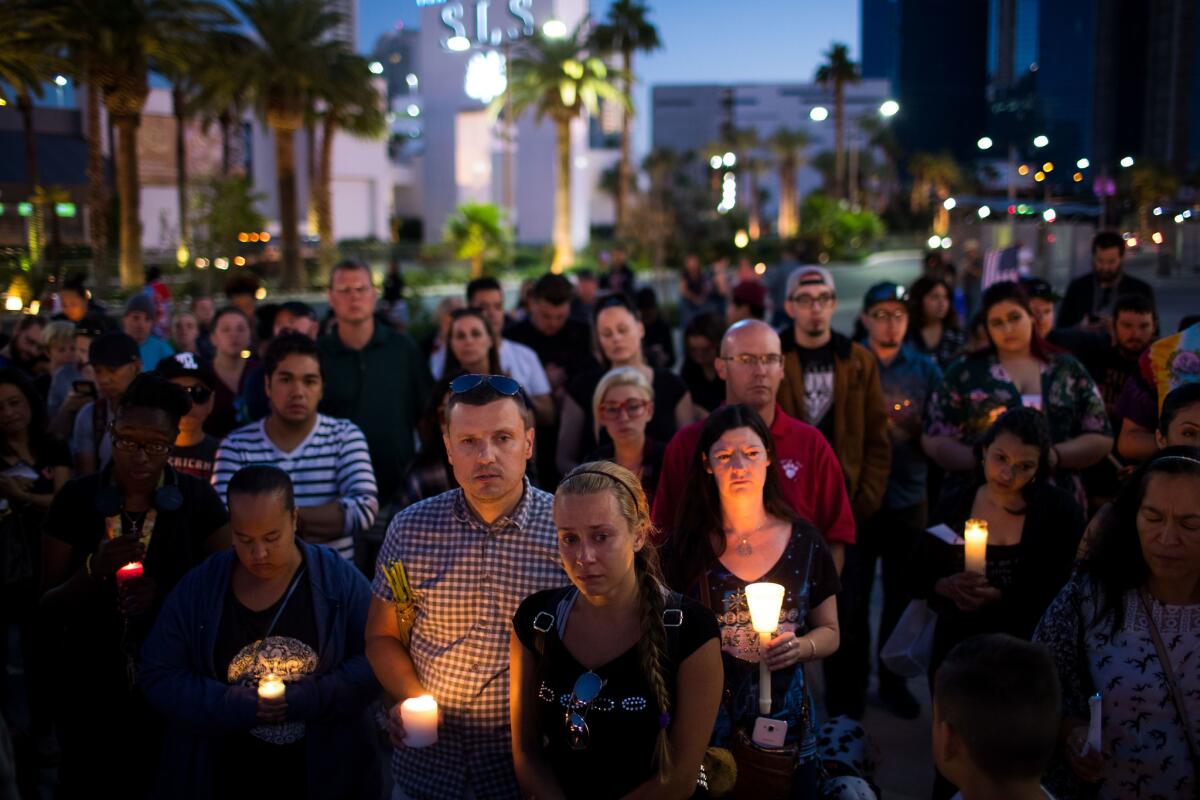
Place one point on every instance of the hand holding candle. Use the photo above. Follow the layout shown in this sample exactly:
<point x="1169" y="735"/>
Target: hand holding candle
<point x="128" y="572"/>
<point x="976" y="536"/>
<point x="765" y="601"/>
<point x="420" y="718"/>
<point x="270" y="687"/>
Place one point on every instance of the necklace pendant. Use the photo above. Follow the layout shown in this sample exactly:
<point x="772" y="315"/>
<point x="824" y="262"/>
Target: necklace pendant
<point x="744" y="549"/>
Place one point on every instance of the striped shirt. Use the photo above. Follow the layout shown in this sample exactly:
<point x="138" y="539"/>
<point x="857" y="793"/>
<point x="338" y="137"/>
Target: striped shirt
<point x="467" y="579"/>
<point x="332" y="464"/>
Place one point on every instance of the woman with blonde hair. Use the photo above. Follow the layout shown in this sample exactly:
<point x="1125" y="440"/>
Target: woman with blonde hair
<point x="615" y="680"/>
<point x="622" y="405"/>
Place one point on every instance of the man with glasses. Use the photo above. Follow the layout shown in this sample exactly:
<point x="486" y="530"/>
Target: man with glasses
<point x="908" y="378"/>
<point x="326" y="458"/>
<point x="374" y="376"/>
<point x="751" y="364"/>
<point x="195" y="451"/>
<point x="455" y="568"/>
<point x="833" y="383"/>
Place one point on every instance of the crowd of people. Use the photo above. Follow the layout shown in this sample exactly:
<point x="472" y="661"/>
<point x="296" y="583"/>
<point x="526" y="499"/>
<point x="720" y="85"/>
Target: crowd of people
<point x="244" y="546"/>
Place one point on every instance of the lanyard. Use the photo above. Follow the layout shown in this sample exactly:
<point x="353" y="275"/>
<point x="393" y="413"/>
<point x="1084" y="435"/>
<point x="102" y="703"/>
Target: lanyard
<point x="278" y="613"/>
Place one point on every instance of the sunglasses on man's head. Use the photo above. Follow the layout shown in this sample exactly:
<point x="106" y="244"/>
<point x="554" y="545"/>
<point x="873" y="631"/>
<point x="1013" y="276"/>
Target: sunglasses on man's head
<point x="501" y="383"/>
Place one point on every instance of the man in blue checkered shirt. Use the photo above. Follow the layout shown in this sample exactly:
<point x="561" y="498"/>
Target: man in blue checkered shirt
<point x="465" y="560"/>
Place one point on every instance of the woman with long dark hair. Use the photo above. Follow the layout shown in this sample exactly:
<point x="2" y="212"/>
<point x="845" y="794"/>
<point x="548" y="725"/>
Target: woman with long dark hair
<point x="1126" y="630"/>
<point x="470" y="345"/>
<point x="934" y="327"/>
<point x="1034" y="529"/>
<point x="737" y="529"/>
<point x="641" y="665"/>
<point x="1018" y="369"/>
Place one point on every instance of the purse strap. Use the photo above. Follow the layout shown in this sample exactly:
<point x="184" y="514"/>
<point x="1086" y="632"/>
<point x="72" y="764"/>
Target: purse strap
<point x="1172" y="683"/>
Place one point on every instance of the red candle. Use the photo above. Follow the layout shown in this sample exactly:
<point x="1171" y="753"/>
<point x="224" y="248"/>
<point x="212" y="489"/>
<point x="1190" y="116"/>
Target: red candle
<point x="128" y="572"/>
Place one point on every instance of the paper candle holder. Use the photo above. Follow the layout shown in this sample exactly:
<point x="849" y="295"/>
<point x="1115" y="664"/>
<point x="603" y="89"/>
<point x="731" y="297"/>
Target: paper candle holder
<point x="765" y="601"/>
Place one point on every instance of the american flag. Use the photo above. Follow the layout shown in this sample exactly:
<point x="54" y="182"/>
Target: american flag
<point x="1003" y="265"/>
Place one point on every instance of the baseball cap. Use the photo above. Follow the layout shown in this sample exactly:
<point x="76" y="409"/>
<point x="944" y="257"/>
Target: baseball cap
<point x="1039" y="289"/>
<point x="140" y="302"/>
<point x="882" y="293"/>
<point x="809" y="275"/>
<point x="187" y="365"/>
<point x="113" y="349"/>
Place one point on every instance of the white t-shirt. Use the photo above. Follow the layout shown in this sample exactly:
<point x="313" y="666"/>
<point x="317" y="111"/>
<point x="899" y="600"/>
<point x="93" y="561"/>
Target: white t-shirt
<point x="519" y="361"/>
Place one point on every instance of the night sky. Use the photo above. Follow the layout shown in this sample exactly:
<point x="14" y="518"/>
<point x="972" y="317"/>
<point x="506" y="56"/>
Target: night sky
<point x="705" y="41"/>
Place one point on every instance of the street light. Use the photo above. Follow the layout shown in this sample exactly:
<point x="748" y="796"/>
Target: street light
<point x="1049" y="215"/>
<point x="375" y="67"/>
<point x="949" y="204"/>
<point x="1041" y="141"/>
<point x="889" y="108"/>
<point x="1127" y="162"/>
<point x="715" y="162"/>
<point x="1083" y="163"/>
<point x="819" y="114"/>
<point x="458" y="44"/>
<point x="729" y="160"/>
<point x="554" y="29"/>
<point x="985" y="143"/>
<point x="984" y="212"/>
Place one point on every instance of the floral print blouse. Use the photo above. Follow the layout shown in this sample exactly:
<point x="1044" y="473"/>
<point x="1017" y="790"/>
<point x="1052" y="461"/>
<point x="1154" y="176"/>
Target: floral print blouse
<point x="977" y="389"/>
<point x="1140" y="726"/>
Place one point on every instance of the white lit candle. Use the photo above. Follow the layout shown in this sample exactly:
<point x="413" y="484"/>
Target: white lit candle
<point x="765" y="601"/>
<point x="976" y="536"/>
<point x="271" y="687"/>
<point x="128" y="572"/>
<point x="420" y="718"/>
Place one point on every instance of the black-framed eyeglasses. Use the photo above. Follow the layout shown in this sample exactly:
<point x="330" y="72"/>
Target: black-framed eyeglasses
<point x="501" y="383"/>
<point x="587" y="689"/>
<point x="199" y="393"/>
<point x="884" y="316"/>
<point x="151" y="449"/>
<point x="808" y="300"/>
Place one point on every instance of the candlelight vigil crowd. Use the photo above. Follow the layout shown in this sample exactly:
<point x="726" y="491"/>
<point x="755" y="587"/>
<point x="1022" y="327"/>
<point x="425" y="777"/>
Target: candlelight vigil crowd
<point x="566" y="548"/>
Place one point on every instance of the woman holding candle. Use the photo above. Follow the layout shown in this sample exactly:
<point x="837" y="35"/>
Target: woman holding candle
<point x="619" y="335"/>
<point x="622" y="405"/>
<point x="1017" y="369"/>
<point x="231" y="338"/>
<point x="137" y="509"/>
<point x="741" y="531"/>
<point x="1127" y="626"/>
<point x="1023" y="530"/>
<point x="641" y="665"/>
<point x="257" y="662"/>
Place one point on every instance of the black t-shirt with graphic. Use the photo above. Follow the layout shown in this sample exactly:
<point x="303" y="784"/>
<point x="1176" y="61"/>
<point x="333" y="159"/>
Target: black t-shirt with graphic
<point x="818" y="364"/>
<point x="197" y="460"/>
<point x="267" y="759"/>
<point x="623" y="720"/>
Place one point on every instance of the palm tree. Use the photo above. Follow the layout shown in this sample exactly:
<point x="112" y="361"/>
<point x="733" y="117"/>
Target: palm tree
<point x="881" y="136"/>
<point x="28" y="60"/>
<point x="558" y="78"/>
<point x="1150" y="184"/>
<point x="628" y="30"/>
<point x="349" y="102"/>
<point x="939" y="174"/>
<point x="285" y="64"/>
<point x="837" y="72"/>
<point x="479" y="234"/>
<point x="222" y="92"/>
<point x="788" y="147"/>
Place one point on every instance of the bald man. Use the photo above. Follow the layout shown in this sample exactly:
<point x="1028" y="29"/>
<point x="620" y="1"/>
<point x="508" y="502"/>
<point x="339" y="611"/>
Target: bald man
<point x="751" y="364"/>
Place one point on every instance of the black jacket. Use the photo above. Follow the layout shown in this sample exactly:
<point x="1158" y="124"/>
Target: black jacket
<point x="1080" y="298"/>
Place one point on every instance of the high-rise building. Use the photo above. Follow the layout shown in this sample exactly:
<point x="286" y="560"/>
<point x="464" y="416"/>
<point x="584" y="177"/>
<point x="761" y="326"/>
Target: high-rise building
<point x="347" y="27"/>
<point x="879" y="40"/>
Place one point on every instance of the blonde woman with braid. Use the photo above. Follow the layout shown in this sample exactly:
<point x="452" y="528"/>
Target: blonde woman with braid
<point x="615" y="680"/>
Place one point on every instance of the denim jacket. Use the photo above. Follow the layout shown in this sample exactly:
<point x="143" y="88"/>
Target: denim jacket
<point x="181" y="682"/>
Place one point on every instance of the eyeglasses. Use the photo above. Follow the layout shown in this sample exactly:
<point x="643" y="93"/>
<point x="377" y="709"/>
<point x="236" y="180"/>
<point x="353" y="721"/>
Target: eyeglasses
<point x="750" y="359"/>
<point x="501" y="383"/>
<point x="587" y="689"/>
<point x="808" y="300"/>
<point x="885" y="316"/>
<point x="151" y="449"/>
<point x="632" y="408"/>
<point x="199" y="393"/>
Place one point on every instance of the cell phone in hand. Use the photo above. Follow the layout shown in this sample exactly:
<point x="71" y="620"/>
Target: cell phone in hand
<point x="86" y="388"/>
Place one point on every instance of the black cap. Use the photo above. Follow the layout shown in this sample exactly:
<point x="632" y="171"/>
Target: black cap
<point x="113" y="349"/>
<point x="1039" y="289"/>
<point x="186" y="365"/>
<point x="884" y="292"/>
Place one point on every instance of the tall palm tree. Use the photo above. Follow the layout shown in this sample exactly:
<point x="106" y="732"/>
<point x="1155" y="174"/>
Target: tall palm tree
<point x="291" y="47"/>
<point x="559" y="78"/>
<point x="349" y="102"/>
<point x="478" y="233"/>
<point x="627" y="30"/>
<point x="837" y="72"/>
<point x="788" y="147"/>
<point x="29" y="58"/>
<point x="222" y="92"/>
<point x="939" y="174"/>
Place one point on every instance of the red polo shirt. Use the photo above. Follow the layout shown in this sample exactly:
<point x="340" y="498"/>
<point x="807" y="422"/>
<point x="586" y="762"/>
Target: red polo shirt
<point x="812" y="481"/>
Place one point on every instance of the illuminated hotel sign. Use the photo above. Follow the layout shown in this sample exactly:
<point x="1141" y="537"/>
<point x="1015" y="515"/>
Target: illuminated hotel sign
<point x="486" y="23"/>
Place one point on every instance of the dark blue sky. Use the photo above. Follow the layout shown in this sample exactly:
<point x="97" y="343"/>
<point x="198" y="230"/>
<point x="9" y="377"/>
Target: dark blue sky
<point x="705" y="41"/>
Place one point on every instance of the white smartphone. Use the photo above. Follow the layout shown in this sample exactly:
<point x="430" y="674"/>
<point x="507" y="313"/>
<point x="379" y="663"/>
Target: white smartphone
<point x="769" y="732"/>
